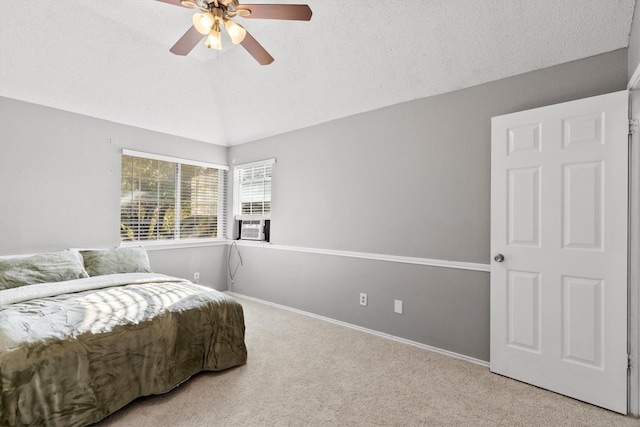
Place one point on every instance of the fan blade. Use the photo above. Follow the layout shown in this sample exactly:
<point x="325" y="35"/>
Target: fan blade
<point x="173" y="2"/>
<point x="187" y="42"/>
<point x="256" y="50"/>
<point x="295" y="12"/>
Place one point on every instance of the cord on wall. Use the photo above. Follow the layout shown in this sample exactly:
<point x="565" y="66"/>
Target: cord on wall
<point x="232" y="274"/>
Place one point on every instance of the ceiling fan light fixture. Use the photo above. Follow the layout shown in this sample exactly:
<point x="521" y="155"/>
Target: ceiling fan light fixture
<point x="214" y="39"/>
<point x="216" y="13"/>
<point x="236" y="31"/>
<point x="203" y="22"/>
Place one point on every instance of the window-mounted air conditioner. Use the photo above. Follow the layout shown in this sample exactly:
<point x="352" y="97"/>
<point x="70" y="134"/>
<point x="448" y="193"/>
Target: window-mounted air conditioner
<point x="252" y="229"/>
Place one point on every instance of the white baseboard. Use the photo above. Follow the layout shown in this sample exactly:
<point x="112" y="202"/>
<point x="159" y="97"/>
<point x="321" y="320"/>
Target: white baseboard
<point x="366" y="330"/>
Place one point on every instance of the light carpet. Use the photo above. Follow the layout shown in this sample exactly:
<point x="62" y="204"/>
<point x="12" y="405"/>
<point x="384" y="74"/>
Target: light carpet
<point x="304" y="371"/>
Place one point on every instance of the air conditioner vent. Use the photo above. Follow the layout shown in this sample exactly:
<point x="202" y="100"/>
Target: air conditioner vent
<point x="252" y="229"/>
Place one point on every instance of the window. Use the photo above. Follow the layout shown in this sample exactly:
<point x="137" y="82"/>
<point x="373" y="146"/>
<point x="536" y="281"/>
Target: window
<point x="253" y="189"/>
<point x="164" y="198"/>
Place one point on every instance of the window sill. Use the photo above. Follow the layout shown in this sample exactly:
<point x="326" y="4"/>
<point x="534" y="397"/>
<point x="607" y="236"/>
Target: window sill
<point x="176" y="244"/>
<point x="254" y="243"/>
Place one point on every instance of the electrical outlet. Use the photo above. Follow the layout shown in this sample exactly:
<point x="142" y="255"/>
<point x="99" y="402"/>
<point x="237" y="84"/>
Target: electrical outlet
<point x="196" y="277"/>
<point x="363" y="299"/>
<point x="397" y="306"/>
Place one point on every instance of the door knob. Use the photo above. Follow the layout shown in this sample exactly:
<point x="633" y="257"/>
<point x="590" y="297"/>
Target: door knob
<point x="498" y="258"/>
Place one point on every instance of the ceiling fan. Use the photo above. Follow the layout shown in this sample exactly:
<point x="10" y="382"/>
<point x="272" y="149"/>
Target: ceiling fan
<point x="215" y="14"/>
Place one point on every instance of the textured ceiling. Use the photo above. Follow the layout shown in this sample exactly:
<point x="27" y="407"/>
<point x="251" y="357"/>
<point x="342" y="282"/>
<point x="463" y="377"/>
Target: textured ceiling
<point x="110" y="59"/>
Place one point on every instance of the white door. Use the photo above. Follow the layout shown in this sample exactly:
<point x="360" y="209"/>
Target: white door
<point x="559" y="219"/>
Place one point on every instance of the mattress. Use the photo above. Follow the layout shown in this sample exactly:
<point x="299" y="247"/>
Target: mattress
<point x="73" y="352"/>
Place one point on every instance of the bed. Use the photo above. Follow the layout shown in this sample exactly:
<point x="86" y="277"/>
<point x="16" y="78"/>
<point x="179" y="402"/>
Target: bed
<point x="84" y="333"/>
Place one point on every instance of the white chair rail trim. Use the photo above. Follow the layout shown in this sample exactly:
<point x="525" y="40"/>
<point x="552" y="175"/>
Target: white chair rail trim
<point x="460" y="265"/>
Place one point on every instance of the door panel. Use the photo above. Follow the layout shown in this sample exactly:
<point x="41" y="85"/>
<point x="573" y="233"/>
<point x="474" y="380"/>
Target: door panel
<point x="559" y="217"/>
<point x="582" y="325"/>
<point x="582" y="203"/>
<point x="524" y="310"/>
<point x="524" y="207"/>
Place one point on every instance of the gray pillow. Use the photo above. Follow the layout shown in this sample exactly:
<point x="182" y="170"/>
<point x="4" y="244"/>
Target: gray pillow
<point x="117" y="260"/>
<point x="40" y="268"/>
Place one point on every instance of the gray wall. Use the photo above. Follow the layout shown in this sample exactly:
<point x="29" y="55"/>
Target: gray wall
<point x="413" y="180"/>
<point x="60" y="185"/>
<point x="634" y="42"/>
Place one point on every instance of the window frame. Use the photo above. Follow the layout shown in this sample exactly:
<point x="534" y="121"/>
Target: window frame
<point x="222" y="202"/>
<point x="237" y="199"/>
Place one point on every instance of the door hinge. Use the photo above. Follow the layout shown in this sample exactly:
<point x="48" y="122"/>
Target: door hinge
<point x="634" y="125"/>
<point x="629" y="362"/>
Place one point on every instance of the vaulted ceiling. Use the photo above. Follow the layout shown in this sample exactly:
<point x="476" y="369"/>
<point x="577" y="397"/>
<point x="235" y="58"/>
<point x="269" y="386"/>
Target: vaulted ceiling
<point x="110" y="59"/>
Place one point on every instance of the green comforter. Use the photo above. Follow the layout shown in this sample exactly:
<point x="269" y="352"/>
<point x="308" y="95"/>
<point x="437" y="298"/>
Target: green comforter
<point x="73" y="352"/>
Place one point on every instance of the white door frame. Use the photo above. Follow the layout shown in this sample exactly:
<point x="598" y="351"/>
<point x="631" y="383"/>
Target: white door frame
<point x="634" y="251"/>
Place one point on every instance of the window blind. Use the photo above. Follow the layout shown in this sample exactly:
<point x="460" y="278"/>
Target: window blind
<point x="170" y="200"/>
<point x="254" y="189"/>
